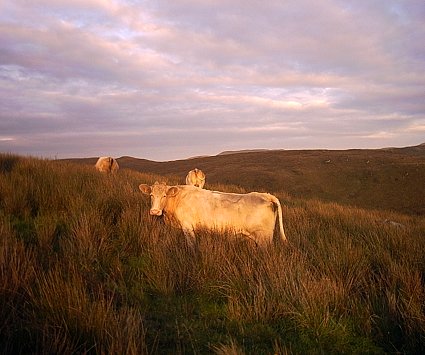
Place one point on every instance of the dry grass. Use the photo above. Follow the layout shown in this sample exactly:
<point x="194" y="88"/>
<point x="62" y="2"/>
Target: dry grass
<point x="85" y="269"/>
<point x="390" y="179"/>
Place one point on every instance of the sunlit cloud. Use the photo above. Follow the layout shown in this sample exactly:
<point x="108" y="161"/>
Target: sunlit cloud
<point x="416" y="128"/>
<point x="379" y="135"/>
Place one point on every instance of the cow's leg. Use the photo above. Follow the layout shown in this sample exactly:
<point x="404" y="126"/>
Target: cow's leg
<point x="189" y="234"/>
<point x="263" y="237"/>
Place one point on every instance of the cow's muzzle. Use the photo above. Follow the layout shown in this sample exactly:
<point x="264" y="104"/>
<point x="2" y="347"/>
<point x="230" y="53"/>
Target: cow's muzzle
<point x="155" y="212"/>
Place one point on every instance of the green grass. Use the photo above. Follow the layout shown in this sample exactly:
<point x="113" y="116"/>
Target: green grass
<point x="85" y="269"/>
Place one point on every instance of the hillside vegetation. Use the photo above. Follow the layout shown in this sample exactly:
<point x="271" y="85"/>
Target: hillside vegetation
<point x="85" y="269"/>
<point x="387" y="179"/>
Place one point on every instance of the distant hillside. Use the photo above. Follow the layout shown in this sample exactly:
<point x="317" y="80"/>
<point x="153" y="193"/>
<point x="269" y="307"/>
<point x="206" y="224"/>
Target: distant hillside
<point x="390" y="178"/>
<point x="227" y="152"/>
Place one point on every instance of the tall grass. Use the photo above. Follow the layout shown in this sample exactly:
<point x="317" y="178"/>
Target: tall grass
<point x="85" y="269"/>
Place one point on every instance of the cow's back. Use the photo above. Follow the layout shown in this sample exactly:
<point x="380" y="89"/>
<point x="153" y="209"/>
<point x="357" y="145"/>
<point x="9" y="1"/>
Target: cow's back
<point x="195" y="177"/>
<point x="107" y="164"/>
<point x="249" y="214"/>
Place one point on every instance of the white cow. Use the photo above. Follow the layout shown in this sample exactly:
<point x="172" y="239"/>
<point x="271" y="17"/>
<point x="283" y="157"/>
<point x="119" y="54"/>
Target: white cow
<point x="107" y="165"/>
<point x="195" y="177"/>
<point x="188" y="207"/>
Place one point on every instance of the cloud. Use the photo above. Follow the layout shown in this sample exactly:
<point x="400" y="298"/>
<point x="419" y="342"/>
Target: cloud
<point x="158" y="79"/>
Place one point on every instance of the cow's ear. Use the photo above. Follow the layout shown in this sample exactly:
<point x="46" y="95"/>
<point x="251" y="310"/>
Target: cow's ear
<point x="172" y="191"/>
<point x="146" y="189"/>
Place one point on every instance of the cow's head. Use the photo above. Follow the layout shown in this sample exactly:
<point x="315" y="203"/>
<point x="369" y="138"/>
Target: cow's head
<point x="159" y="194"/>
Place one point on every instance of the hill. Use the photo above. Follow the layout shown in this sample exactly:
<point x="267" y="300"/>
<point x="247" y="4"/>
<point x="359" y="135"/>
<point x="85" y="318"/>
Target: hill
<point x="389" y="179"/>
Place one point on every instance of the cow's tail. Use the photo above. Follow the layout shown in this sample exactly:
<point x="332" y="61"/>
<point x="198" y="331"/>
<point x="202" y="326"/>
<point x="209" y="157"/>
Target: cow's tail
<point x="276" y="201"/>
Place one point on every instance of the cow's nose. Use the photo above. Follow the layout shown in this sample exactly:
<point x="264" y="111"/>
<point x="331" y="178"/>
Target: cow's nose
<point x="155" y="212"/>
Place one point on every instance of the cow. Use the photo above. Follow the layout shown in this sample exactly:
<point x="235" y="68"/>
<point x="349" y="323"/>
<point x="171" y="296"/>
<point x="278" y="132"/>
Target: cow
<point x="107" y="165"/>
<point x="195" y="177"/>
<point x="190" y="208"/>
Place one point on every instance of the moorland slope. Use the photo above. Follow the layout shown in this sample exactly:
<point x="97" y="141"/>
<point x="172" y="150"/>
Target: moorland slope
<point x="386" y="179"/>
<point x="84" y="269"/>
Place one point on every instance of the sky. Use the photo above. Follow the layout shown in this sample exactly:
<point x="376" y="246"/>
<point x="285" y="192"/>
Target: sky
<point x="167" y="80"/>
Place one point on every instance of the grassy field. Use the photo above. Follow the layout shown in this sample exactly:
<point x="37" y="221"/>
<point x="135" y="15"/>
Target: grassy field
<point x="85" y="269"/>
<point x="390" y="179"/>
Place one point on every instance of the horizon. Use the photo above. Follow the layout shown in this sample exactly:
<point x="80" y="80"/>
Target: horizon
<point x="172" y="80"/>
<point x="225" y="152"/>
